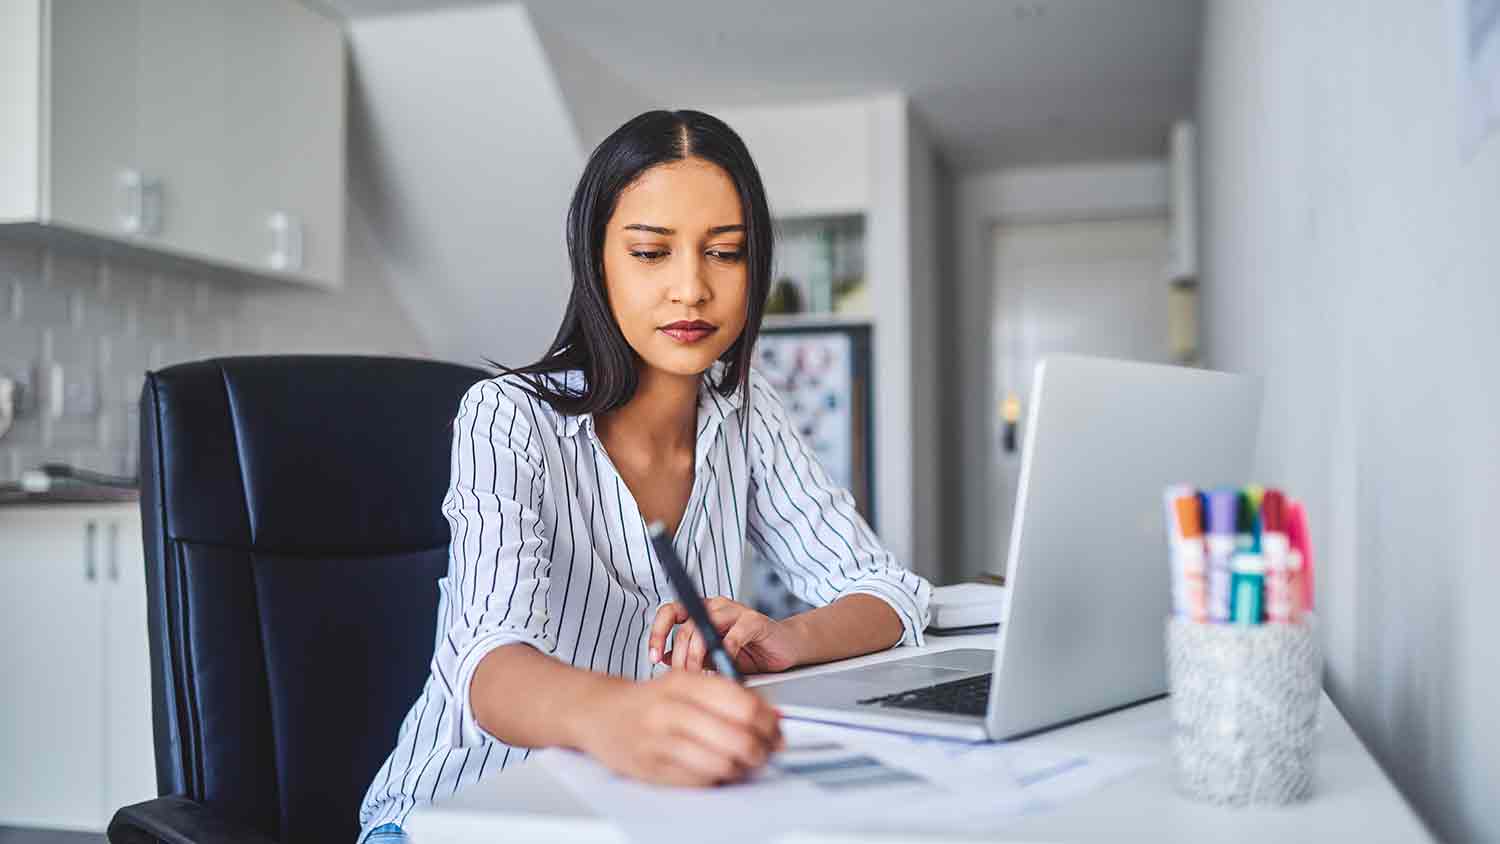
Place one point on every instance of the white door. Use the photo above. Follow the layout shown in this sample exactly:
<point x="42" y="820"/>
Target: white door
<point x="1094" y="287"/>
<point x="92" y="134"/>
<point x="129" y="761"/>
<point x="51" y="627"/>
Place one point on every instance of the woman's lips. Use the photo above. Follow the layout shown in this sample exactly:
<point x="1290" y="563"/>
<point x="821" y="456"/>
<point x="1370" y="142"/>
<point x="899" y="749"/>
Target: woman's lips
<point x="688" y="332"/>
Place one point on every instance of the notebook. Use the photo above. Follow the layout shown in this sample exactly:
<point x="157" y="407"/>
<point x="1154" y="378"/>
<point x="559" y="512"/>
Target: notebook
<point x="967" y="605"/>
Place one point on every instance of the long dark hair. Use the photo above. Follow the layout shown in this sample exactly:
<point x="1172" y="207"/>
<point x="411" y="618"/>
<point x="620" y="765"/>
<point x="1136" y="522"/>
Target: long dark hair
<point x="589" y="338"/>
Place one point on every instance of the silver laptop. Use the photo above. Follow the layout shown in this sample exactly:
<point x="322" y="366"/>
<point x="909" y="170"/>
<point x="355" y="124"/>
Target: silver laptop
<point x="1088" y="575"/>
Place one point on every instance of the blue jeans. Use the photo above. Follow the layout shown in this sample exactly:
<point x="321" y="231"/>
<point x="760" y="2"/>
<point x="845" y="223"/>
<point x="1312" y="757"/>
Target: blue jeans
<point x="387" y="834"/>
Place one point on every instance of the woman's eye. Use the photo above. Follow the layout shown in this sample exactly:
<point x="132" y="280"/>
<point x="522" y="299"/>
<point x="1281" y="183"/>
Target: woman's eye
<point x="726" y="254"/>
<point x="648" y="254"/>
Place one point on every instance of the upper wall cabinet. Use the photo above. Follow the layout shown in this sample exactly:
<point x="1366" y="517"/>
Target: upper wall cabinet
<point x="205" y="130"/>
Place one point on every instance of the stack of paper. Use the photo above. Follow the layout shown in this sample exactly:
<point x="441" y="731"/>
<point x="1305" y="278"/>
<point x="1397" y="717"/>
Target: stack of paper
<point x="832" y="778"/>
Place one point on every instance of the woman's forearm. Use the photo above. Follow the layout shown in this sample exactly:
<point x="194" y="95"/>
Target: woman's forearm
<point x="851" y="626"/>
<point x="528" y="699"/>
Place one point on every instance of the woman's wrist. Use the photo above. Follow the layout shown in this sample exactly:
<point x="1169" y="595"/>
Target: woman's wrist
<point x="850" y="626"/>
<point x="800" y="635"/>
<point x="583" y="708"/>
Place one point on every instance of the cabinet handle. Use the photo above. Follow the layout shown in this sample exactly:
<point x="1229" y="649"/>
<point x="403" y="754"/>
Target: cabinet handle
<point x="286" y="241"/>
<point x="90" y="540"/>
<point x="140" y="203"/>
<point x="132" y="193"/>
<point x="114" y="552"/>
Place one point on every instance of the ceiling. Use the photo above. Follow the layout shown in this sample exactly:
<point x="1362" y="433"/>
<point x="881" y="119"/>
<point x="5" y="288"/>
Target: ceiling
<point x="997" y="82"/>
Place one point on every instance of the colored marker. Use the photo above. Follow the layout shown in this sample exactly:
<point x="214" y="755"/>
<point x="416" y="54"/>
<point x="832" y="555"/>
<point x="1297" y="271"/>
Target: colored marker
<point x="1185" y="533"/>
<point x="1248" y="585"/>
<point x="1255" y="492"/>
<point x="1296" y="528"/>
<point x="1280" y="603"/>
<point x="1246" y="524"/>
<point x="1223" y="505"/>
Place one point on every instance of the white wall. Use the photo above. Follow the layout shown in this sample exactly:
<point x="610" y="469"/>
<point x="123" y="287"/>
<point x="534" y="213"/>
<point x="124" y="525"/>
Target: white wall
<point x="931" y="308"/>
<point x="362" y="317"/>
<point x="870" y="156"/>
<point x="981" y="200"/>
<point x="814" y="157"/>
<point x="597" y="100"/>
<point x="471" y="157"/>
<point x="888" y="273"/>
<point x="1351" y="258"/>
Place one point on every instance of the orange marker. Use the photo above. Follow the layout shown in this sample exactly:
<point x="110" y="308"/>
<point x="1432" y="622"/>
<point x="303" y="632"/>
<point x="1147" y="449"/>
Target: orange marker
<point x="1185" y="536"/>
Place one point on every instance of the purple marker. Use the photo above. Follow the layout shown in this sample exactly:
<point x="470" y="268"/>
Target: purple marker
<point x="1223" y="506"/>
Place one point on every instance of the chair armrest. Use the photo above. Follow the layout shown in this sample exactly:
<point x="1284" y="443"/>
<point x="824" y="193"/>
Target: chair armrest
<point x="178" y="820"/>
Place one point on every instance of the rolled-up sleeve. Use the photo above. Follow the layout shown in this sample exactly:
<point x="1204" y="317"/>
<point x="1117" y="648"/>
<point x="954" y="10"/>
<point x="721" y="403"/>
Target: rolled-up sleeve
<point x="495" y="592"/>
<point x="808" y="528"/>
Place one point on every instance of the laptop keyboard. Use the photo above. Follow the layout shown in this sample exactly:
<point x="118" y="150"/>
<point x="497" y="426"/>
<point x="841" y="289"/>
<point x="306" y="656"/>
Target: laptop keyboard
<point x="969" y="696"/>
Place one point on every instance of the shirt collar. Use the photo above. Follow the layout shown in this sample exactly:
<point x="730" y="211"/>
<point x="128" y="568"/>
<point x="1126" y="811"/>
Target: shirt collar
<point x="713" y="407"/>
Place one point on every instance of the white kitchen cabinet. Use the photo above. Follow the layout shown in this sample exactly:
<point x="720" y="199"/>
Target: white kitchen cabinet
<point x="182" y="119"/>
<point x="206" y="131"/>
<point x="129" y="751"/>
<point x="287" y="123"/>
<point x="92" y="132"/>
<point x="75" y="717"/>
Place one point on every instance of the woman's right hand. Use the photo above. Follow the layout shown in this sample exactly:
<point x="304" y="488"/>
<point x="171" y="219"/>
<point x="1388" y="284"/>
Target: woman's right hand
<point x="681" y="728"/>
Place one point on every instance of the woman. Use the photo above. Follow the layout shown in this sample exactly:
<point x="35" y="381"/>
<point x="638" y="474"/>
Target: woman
<point x="553" y="619"/>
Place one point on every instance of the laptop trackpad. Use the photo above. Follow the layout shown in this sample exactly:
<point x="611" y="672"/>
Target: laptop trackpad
<point x="898" y="677"/>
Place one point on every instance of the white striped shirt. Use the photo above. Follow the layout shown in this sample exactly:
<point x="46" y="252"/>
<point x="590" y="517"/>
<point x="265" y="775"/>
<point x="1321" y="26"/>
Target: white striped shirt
<point x="548" y="548"/>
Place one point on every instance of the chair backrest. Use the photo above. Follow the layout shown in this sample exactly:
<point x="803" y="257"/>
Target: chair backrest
<point x="291" y="508"/>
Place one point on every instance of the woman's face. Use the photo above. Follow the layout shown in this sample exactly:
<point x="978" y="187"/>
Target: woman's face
<point x="675" y="265"/>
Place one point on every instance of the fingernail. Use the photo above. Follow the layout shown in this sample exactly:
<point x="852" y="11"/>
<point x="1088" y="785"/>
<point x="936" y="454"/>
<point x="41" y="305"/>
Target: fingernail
<point x="655" y="655"/>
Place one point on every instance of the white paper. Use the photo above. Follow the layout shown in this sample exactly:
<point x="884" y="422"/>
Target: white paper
<point x="832" y="778"/>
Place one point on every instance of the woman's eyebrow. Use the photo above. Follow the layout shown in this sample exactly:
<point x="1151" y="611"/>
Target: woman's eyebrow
<point x="733" y="227"/>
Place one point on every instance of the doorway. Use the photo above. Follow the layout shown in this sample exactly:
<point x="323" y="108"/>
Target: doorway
<point x="1090" y="287"/>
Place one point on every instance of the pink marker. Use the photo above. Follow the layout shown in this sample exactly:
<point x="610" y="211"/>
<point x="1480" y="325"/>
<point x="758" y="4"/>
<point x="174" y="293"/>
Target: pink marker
<point x="1282" y="602"/>
<point x="1302" y="556"/>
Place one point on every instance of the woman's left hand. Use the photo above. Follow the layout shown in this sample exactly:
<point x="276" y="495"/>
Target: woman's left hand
<point x="755" y="642"/>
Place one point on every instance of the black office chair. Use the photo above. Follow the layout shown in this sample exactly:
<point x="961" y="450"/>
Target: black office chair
<point x="293" y="543"/>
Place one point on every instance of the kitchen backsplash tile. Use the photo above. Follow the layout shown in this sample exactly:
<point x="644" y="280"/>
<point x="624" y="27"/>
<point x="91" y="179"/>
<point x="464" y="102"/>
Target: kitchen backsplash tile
<point x="105" y="322"/>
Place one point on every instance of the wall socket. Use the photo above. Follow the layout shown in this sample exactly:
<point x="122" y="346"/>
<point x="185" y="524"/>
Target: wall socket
<point x="7" y="404"/>
<point x="23" y="395"/>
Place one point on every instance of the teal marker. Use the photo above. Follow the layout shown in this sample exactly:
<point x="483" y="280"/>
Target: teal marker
<point x="1247" y="589"/>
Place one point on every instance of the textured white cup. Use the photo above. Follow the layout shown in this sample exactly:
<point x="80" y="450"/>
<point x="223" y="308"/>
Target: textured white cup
<point x="1244" y="710"/>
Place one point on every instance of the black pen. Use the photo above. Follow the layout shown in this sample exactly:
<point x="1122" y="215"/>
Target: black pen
<point x="688" y="595"/>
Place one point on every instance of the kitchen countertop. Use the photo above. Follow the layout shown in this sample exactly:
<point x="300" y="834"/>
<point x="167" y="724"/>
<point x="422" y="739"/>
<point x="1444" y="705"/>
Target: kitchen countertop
<point x="12" y="495"/>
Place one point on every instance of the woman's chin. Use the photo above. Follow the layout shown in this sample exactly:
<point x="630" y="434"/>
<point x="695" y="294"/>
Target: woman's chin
<point x="682" y="360"/>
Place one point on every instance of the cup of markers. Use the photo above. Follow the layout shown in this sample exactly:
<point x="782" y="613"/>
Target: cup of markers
<point x="1243" y="662"/>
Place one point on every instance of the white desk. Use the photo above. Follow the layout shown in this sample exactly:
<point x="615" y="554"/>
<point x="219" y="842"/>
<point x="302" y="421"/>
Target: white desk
<point x="1352" y="798"/>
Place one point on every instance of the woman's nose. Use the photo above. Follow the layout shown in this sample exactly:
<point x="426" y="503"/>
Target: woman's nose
<point x="688" y="286"/>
